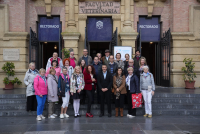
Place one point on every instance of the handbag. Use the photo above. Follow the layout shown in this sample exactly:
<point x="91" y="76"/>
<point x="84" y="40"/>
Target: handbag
<point x="136" y="100"/>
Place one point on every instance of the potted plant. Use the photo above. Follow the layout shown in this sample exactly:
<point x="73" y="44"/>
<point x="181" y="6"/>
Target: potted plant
<point x="8" y="68"/>
<point x="66" y="52"/>
<point x="189" y="74"/>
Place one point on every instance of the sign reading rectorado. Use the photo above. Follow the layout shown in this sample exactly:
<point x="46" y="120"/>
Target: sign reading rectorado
<point x="99" y="7"/>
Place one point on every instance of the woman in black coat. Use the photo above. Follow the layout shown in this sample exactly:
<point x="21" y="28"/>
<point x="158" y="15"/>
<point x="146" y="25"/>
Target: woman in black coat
<point x="132" y="82"/>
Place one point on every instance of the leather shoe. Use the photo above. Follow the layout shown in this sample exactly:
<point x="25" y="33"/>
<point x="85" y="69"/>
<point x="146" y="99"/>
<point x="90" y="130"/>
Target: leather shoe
<point x="101" y="115"/>
<point x="109" y="115"/>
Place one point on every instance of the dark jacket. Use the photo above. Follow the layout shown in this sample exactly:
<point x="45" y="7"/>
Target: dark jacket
<point x="62" y="84"/>
<point x="105" y="83"/>
<point x="88" y="81"/>
<point x="89" y="60"/>
<point x="104" y="61"/>
<point x="136" y="71"/>
<point x="136" y="63"/>
<point x="134" y="84"/>
<point x="125" y="63"/>
<point x="115" y="66"/>
<point x="97" y="68"/>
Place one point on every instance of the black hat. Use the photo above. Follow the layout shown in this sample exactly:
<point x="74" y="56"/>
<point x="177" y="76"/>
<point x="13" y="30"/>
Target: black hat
<point x="107" y="51"/>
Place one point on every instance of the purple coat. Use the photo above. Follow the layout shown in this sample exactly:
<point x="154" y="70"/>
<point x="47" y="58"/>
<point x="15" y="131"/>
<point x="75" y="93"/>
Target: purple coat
<point x="52" y="88"/>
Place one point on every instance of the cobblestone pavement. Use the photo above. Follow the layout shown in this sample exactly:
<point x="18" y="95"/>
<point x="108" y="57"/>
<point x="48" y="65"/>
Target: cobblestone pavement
<point x="104" y="125"/>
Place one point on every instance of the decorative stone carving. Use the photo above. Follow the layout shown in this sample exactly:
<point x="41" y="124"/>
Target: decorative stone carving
<point x="150" y="7"/>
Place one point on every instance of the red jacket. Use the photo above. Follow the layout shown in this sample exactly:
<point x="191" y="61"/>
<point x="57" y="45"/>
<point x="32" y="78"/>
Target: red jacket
<point x="88" y="81"/>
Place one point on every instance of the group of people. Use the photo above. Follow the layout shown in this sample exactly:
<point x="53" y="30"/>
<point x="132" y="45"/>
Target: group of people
<point x="109" y="76"/>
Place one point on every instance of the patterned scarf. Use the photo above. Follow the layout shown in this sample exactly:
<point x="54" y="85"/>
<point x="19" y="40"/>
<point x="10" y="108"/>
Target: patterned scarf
<point x="118" y="83"/>
<point x="44" y="78"/>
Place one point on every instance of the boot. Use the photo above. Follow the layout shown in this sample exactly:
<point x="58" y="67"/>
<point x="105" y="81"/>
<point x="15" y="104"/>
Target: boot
<point x="121" y="112"/>
<point x="116" y="112"/>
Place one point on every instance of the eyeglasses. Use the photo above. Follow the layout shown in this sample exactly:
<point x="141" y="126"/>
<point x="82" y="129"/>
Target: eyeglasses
<point x="130" y="62"/>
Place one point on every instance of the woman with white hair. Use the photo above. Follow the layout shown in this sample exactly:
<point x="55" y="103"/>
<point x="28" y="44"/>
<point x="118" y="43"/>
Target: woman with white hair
<point x="31" y="103"/>
<point x="147" y="87"/>
<point x="77" y="84"/>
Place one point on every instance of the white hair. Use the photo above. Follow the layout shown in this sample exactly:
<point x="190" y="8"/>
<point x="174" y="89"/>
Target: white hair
<point x="145" y="67"/>
<point x="131" y="60"/>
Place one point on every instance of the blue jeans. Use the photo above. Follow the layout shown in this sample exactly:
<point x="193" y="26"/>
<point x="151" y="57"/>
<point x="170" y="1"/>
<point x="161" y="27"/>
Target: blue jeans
<point x="41" y="102"/>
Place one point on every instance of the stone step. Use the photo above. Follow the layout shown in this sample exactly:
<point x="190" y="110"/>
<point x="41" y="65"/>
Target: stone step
<point x="154" y="100"/>
<point x="157" y="95"/>
<point x="155" y="106"/>
<point x="140" y="112"/>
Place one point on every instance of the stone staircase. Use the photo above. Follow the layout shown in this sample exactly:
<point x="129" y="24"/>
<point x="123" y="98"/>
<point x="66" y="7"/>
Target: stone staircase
<point x="162" y="103"/>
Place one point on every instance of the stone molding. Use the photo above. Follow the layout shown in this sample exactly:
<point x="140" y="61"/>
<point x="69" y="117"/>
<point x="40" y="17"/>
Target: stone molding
<point x="82" y="17"/>
<point x="6" y="14"/>
<point x="116" y="17"/>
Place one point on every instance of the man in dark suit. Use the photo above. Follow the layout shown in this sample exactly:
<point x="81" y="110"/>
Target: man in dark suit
<point x="105" y="80"/>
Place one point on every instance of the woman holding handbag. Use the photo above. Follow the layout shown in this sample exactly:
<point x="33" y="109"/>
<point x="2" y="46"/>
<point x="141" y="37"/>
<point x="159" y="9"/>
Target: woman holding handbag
<point x="52" y="81"/>
<point x="132" y="82"/>
<point x="64" y="91"/>
<point x="77" y="84"/>
<point x="119" y="87"/>
<point x="147" y="87"/>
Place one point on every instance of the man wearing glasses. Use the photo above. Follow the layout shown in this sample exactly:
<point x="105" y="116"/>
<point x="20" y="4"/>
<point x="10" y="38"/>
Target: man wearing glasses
<point x="86" y="58"/>
<point x="131" y="64"/>
<point x="72" y="59"/>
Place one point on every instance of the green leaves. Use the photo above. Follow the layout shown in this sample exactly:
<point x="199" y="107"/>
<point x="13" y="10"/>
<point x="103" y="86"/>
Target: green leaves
<point x="66" y="52"/>
<point x="188" y="70"/>
<point x="9" y="67"/>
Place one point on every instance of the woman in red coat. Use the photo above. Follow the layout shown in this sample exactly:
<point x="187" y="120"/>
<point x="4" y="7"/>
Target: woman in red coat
<point x="90" y="86"/>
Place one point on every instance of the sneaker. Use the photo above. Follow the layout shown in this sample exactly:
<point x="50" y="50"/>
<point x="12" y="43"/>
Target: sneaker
<point x="145" y="115"/>
<point x="61" y="116"/>
<point x="128" y="115"/>
<point x="51" y="117"/>
<point x="38" y="118"/>
<point x="42" y="116"/>
<point x="66" y="115"/>
<point x="55" y="115"/>
<point x="131" y="116"/>
<point x="150" y="115"/>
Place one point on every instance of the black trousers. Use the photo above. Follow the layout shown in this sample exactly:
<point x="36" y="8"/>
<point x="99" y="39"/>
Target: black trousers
<point x="106" y="95"/>
<point x="119" y="102"/>
<point x="98" y="95"/>
<point x="90" y="95"/>
<point x="31" y="103"/>
<point x="131" y="111"/>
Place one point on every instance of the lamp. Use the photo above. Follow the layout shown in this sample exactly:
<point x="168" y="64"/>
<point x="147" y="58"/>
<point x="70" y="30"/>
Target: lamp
<point x="150" y="42"/>
<point x="55" y="47"/>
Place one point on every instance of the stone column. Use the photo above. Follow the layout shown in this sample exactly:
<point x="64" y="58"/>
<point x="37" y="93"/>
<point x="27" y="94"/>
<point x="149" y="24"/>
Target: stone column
<point x="128" y="35"/>
<point x="71" y="34"/>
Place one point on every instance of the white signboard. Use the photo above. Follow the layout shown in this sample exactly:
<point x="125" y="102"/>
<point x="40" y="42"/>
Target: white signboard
<point x="123" y="50"/>
<point x="11" y="54"/>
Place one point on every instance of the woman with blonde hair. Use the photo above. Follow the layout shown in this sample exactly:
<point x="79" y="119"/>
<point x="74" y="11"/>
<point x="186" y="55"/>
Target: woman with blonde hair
<point x="52" y="81"/>
<point x="147" y="87"/>
<point x="31" y="103"/>
<point x="142" y="63"/>
<point x="77" y="84"/>
<point x="41" y="91"/>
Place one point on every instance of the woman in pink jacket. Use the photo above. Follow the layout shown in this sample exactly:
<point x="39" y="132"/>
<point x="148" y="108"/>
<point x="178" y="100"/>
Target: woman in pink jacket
<point x="41" y="91"/>
<point x="56" y="67"/>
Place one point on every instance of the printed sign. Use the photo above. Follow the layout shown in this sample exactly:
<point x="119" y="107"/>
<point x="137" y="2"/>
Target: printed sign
<point x="150" y="28"/>
<point x="11" y="54"/>
<point x="123" y="50"/>
<point x="48" y="29"/>
<point x="99" y="7"/>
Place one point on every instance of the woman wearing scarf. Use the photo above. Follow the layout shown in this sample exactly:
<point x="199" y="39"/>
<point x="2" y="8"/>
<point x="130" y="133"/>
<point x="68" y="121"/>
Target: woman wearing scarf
<point x="64" y="89"/>
<point x="70" y="69"/>
<point x="31" y="103"/>
<point x="147" y="87"/>
<point x="132" y="82"/>
<point x="76" y="86"/>
<point x="52" y="81"/>
<point x="55" y="66"/>
<point x="119" y="91"/>
<point x="41" y="91"/>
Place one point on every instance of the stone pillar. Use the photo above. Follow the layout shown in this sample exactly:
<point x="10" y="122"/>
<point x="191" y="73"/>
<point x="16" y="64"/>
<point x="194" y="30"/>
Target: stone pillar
<point x="128" y="35"/>
<point x="71" y="34"/>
